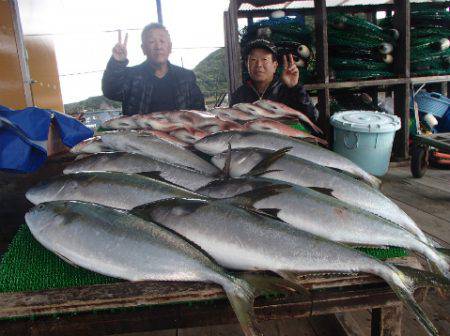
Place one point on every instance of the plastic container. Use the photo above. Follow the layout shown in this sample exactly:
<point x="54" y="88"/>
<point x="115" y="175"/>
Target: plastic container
<point x="432" y="102"/>
<point x="365" y="137"/>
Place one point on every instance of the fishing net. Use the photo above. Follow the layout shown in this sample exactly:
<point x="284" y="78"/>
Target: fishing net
<point x="357" y="64"/>
<point x="344" y="75"/>
<point x="430" y="54"/>
<point x="356" y="48"/>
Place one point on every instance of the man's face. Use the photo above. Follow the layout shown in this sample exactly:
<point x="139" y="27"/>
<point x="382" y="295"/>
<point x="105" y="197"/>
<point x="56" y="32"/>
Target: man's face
<point x="261" y="65"/>
<point x="157" y="46"/>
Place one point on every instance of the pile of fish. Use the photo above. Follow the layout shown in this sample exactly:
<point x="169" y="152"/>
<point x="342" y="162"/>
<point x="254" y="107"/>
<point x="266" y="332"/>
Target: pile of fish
<point x="238" y="200"/>
<point x="187" y="126"/>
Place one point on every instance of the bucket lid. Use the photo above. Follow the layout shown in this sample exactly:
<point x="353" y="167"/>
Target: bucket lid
<point x="366" y="121"/>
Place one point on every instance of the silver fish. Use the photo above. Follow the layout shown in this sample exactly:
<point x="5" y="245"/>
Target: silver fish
<point x="282" y="166"/>
<point x="135" y="163"/>
<point x="218" y="143"/>
<point x="152" y="146"/>
<point x="117" y="244"/>
<point x="91" y="145"/>
<point x="118" y="190"/>
<point x="122" y="122"/>
<point x="238" y="239"/>
<point x="330" y="218"/>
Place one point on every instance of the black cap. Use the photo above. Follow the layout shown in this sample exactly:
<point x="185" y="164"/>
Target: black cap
<point x="261" y="44"/>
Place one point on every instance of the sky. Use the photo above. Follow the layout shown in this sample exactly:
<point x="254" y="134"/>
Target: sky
<point x="85" y="31"/>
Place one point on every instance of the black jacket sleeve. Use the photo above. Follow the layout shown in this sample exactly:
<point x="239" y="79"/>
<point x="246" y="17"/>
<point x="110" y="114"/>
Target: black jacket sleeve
<point x="197" y="101"/>
<point x="114" y="79"/>
<point x="298" y="99"/>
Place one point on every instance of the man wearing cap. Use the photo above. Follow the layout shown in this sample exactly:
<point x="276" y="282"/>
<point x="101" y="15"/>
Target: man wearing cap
<point x="261" y="58"/>
<point x="156" y="84"/>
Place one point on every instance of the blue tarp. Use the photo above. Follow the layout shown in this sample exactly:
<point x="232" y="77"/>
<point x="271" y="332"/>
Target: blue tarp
<point x="24" y="134"/>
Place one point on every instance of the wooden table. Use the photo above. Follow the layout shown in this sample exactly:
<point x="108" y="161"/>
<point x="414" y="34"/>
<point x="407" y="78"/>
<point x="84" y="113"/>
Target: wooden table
<point x="162" y="305"/>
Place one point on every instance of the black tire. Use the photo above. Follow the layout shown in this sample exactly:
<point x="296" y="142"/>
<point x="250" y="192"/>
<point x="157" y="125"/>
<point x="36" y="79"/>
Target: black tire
<point x="419" y="160"/>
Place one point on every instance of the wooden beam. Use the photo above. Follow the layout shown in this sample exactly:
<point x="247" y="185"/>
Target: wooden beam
<point x="234" y="46"/>
<point x="430" y="79"/>
<point x="385" y="321"/>
<point x="228" y="56"/>
<point x="370" y="82"/>
<point x="22" y="52"/>
<point x="401" y="109"/>
<point x="402" y="51"/>
<point x="402" y="69"/>
<point x="168" y="316"/>
<point x="320" y="22"/>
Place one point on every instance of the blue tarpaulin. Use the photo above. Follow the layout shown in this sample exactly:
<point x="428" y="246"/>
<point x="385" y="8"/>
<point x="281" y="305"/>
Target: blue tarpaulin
<point x="24" y="134"/>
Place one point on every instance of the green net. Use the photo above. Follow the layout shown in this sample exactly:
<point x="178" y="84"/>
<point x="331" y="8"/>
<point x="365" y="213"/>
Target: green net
<point x="28" y="266"/>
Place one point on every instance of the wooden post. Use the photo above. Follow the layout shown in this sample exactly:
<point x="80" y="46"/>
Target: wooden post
<point x="402" y="70"/>
<point x="320" y="21"/>
<point x="234" y="50"/>
<point x="386" y="321"/>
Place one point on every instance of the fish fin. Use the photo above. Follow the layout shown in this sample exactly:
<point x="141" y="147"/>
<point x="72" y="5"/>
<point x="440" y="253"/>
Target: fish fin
<point x="292" y="278"/>
<point x="271" y="212"/>
<point x="66" y="259"/>
<point x="411" y="278"/>
<point x="444" y="251"/>
<point x="241" y="296"/>
<point x="155" y="174"/>
<point x="261" y="172"/>
<point x="267" y="284"/>
<point x="265" y="163"/>
<point x="325" y="191"/>
<point x="373" y="181"/>
<point x="251" y="197"/>
<point x="423" y="278"/>
<point x="227" y="165"/>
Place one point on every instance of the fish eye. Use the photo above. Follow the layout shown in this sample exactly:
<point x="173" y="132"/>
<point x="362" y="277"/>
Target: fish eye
<point x="41" y="206"/>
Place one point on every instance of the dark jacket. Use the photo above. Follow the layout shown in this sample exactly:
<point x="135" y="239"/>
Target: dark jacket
<point x="296" y="97"/>
<point x="133" y="87"/>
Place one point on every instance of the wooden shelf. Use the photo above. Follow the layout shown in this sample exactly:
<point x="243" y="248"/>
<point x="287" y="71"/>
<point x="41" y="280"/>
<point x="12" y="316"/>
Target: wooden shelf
<point x="430" y="79"/>
<point x="400" y="85"/>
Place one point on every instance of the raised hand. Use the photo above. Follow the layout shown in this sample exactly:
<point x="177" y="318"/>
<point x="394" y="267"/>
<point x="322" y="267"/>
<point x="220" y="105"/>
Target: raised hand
<point x="290" y="74"/>
<point x="120" y="49"/>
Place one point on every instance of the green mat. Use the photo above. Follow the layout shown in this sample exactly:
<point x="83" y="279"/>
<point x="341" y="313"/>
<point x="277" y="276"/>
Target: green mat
<point x="28" y="266"/>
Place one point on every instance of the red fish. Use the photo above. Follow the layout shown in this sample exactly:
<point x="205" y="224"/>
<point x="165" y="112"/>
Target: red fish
<point x="284" y="110"/>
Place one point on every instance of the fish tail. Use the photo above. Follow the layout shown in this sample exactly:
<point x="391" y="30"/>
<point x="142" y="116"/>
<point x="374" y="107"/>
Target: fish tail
<point x="439" y="261"/>
<point x="316" y="128"/>
<point x="406" y="280"/>
<point x="241" y="296"/>
<point x="373" y="181"/>
<point x="265" y="284"/>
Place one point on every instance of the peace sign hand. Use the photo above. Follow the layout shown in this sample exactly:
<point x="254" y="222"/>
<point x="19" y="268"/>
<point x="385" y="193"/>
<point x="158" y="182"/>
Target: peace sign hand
<point x="290" y="75"/>
<point x="120" y="49"/>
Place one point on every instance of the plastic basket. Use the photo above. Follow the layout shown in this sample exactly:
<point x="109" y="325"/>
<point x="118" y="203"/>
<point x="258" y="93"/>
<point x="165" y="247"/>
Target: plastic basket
<point x="433" y="103"/>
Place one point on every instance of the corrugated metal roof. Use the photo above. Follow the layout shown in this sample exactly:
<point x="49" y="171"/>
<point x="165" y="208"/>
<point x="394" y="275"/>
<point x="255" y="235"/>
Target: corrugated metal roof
<point x="310" y="4"/>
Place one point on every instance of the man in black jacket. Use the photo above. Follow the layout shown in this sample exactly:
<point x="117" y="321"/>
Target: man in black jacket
<point x="155" y="85"/>
<point x="263" y="84"/>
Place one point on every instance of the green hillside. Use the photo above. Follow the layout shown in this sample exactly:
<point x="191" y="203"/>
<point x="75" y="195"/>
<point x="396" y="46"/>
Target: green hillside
<point x="92" y="103"/>
<point x="212" y="75"/>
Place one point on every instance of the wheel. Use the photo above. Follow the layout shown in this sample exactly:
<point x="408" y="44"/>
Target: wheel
<point x="419" y="160"/>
